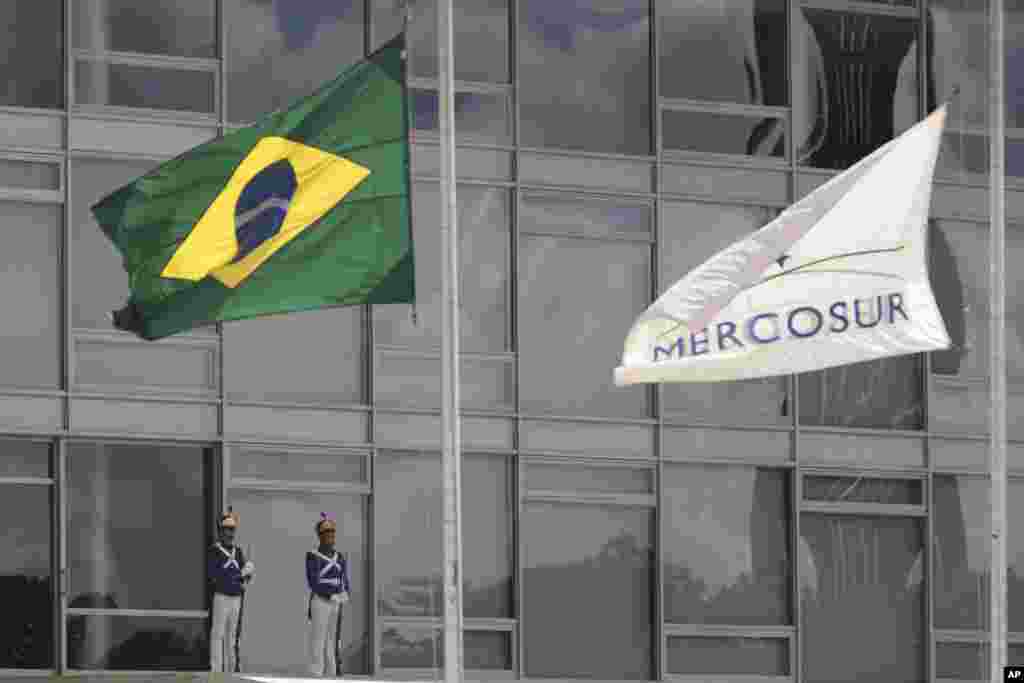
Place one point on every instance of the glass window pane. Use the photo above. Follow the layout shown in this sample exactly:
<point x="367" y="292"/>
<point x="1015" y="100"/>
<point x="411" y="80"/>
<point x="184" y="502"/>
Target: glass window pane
<point x="727" y="558"/>
<point x="26" y="578"/>
<point x="32" y="63"/>
<point x="484" y="230"/>
<point x="138" y="643"/>
<point x="276" y="529"/>
<point x="487" y="650"/>
<point x="690" y="233"/>
<point x="280" y="50"/>
<point x="554" y="214"/>
<point x="419" y="647"/>
<point x="128" y="504"/>
<point x="855" y="83"/>
<point x="863" y="490"/>
<point x="22" y="458"/>
<point x="544" y="477"/>
<point x="1015" y="311"/>
<point x="487" y="540"/>
<point x="740" y="46"/>
<point x="322" y="354"/>
<point x="1015" y="557"/>
<point x="585" y="75"/>
<point x="854" y="569"/>
<point x="962" y="661"/>
<point x="184" y="28"/>
<point x="479" y="117"/>
<point x="298" y="466"/>
<point x="750" y="656"/>
<point x="568" y="318"/>
<point x="128" y="85"/>
<point x="30" y="175"/>
<point x="573" y="555"/>
<point x="407" y="531"/>
<point x="958" y="261"/>
<point x="481" y="37"/>
<point x="882" y="394"/>
<point x="30" y="281"/>
<point x="741" y="134"/>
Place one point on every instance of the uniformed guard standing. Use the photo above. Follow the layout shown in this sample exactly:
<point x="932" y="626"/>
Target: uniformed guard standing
<point x="228" y="572"/>
<point x="327" y="577"/>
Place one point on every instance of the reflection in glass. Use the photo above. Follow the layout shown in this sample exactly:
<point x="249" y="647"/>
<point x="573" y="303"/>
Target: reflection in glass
<point x="549" y="477"/>
<point x="854" y="569"/>
<point x="24" y="458"/>
<point x="740" y="46"/>
<point x="961" y="547"/>
<point x="863" y="490"/>
<point x="321" y="467"/>
<point x="129" y="504"/>
<point x="276" y="531"/>
<point x="737" y="656"/>
<point x="32" y="54"/>
<point x="727" y="558"/>
<point x="858" y="87"/>
<point x="180" y="28"/>
<point x="488" y="503"/>
<point x="484" y="255"/>
<point x="962" y="661"/>
<point x="741" y="134"/>
<point x="420" y="647"/>
<point x="567" y="317"/>
<point x="585" y="75"/>
<point x="581" y="565"/>
<point x="325" y="350"/>
<point x="482" y="117"/>
<point x="689" y="232"/>
<point x="26" y="578"/>
<point x="137" y="643"/>
<point x="128" y="85"/>
<point x="882" y="394"/>
<point x="281" y="50"/>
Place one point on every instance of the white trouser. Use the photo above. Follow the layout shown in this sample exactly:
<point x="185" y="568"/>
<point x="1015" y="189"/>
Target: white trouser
<point x="322" y="637"/>
<point x="222" y="632"/>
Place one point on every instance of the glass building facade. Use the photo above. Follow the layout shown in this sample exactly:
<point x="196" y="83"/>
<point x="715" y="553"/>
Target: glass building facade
<point x="830" y="526"/>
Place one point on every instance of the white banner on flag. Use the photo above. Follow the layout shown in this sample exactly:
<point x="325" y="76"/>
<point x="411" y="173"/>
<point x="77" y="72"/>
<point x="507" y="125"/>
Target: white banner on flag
<point x="839" y="277"/>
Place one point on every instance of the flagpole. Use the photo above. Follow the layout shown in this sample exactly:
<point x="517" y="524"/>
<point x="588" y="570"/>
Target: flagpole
<point x="997" y="385"/>
<point x="450" y="351"/>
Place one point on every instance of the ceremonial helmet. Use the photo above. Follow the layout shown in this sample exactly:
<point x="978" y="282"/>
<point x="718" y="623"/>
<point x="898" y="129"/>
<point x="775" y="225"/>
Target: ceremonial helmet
<point x="325" y="524"/>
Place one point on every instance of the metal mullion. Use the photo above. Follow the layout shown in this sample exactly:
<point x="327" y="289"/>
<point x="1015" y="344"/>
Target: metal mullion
<point x="27" y="481"/>
<point x="863" y="509"/>
<point x="610" y="462"/>
<point x="674" y="422"/>
<point x="173" y="117"/>
<point x="561" y="153"/>
<point x="141" y="59"/>
<point x="723" y="159"/>
<point x="479" y="87"/>
<point x="729" y="631"/>
<point x="607" y="239"/>
<point x="728" y="108"/>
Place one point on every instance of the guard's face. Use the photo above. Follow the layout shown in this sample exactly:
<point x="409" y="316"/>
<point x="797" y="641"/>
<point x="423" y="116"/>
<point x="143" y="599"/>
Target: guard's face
<point x="227" y="535"/>
<point x="327" y="537"/>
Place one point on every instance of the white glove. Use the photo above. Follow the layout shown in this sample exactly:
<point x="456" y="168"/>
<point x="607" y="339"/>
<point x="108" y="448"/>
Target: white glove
<point x="336" y="598"/>
<point x="247" y="569"/>
<point x="344" y="598"/>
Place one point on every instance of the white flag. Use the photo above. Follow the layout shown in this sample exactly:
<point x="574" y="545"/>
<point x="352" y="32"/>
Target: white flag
<point x="839" y="277"/>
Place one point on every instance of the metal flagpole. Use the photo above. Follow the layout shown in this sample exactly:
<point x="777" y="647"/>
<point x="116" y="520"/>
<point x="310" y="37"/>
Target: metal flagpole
<point x="997" y="290"/>
<point x="450" y="352"/>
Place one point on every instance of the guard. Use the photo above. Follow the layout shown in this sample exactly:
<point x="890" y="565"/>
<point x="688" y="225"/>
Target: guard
<point x="228" y="573"/>
<point x="327" y="577"/>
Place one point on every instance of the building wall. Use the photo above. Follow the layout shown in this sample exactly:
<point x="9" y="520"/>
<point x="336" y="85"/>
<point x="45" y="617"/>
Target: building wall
<point x="825" y="527"/>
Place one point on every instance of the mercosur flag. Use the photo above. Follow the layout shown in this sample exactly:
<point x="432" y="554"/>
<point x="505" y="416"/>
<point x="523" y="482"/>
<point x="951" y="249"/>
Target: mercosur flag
<point x="839" y="277"/>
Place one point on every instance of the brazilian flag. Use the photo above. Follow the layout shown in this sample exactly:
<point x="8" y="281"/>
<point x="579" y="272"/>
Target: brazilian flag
<point x="308" y="208"/>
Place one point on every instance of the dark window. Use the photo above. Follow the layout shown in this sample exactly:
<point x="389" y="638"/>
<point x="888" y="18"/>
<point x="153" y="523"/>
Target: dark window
<point x="863" y="490"/>
<point x="743" y="134"/>
<point x="855" y="83"/>
<point x="588" y="590"/>
<point x="961" y="547"/>
<point x="584" y="71"/>
<point x="487" y="527"/>
<point x="886" y="393"/>
<point x="481" y="36"/>
<point x="181" y="28"/>
<point x="750" y="656"/>
<point x="32" y="54"/>
<point x="138" y="523"/>
<point x="727" y="557"/>
<point x="854" y="569"/>
<point x="483" y="253"/>
<point x="276" y="529"/>
<point x="305" y="357"/>
<point x="691" y="233"/>
<point x="733" y="51"/>
<point x="26" y="577"/>
<point x="30" y="281"/>
<point x="22" y="459"/>
<point x="128" y="85"/>
<point x="281" y="50"/>
<point x="125" y="643"/>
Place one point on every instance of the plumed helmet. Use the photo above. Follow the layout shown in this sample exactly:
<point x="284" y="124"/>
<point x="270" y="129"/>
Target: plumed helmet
<point x="324" y="524"/>
<point x="229" y="520"/>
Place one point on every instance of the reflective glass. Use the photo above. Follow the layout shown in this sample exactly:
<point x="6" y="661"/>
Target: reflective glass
<point x="690" y="232"/>
<point x="855" y="83"/>
<point x="745" y="656"/>
<point x="30" y="174"/>
<point x="584" y="74"/>
<point x="129" y="85"/>
<point x="588" y="590"/>
<point x="961" y="545"/>
<point x="479" y="117"/>
<point x="276" y="529"/>
<point x="23" y="458"/>
<point x="129" y="504"/>
<point x="740" y="46"/>
<point x="961" y="661"/>
<point x="30" y="282"/>
<point x="727" y="557"/>
<point x="854" y="569"/>
<point x="180" y="28"/>
<point x="118" y="643"/>
<point x="863" y="490"/>
<point x="882" y="394"/>
<point x="421" y="647"/>
<point x="281" y="50"/>
<point x="26" y="578"/>
<point x="550" y="477"/>
<point x="488" y="564"/>
<point x="32" y="54"/>
<point x="958" y="261"/>
<point x="280" y="465"/>
<point x="740" y="134"/>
